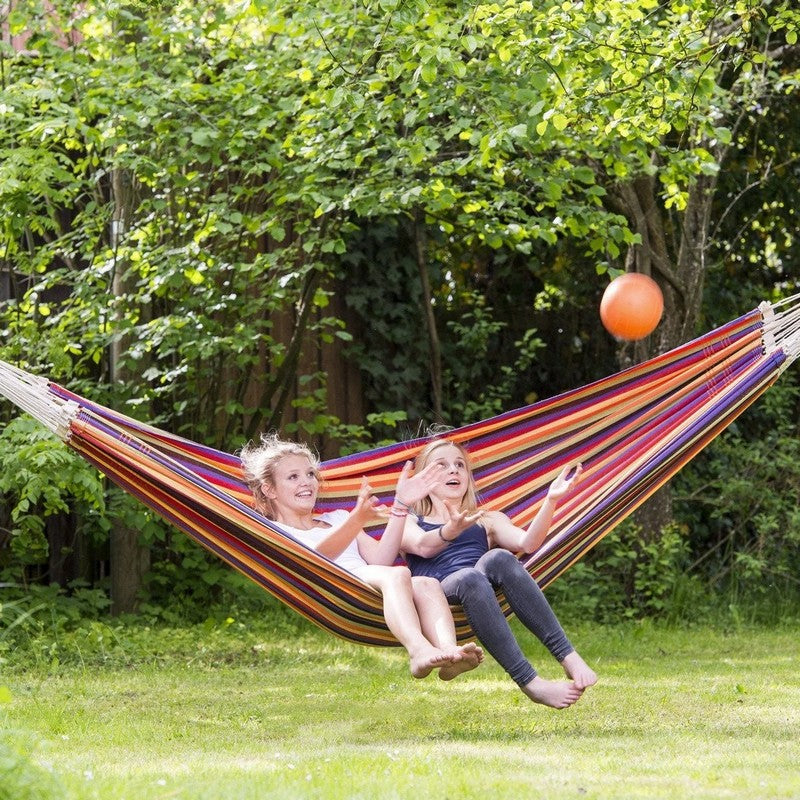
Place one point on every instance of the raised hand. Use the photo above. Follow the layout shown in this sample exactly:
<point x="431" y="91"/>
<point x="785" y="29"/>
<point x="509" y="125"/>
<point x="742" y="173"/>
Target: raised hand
<point x="413" y="488"/>
<point x="564" y="482"/>
<point x="366" y="507"/>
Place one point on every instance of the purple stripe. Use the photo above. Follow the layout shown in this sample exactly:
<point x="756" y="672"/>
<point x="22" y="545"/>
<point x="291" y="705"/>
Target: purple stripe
<point x="661" y="464"/>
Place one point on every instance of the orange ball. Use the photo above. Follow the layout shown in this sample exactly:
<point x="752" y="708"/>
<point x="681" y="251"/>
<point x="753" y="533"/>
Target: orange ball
<point x="631" y="307"/>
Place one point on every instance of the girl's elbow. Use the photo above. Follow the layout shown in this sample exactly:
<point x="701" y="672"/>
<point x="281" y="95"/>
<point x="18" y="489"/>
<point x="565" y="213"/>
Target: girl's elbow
<point x="426" y="551"/>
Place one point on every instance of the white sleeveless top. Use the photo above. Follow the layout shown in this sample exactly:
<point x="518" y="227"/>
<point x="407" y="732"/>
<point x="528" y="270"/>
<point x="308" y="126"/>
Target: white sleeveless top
<point x="349" y="559"/>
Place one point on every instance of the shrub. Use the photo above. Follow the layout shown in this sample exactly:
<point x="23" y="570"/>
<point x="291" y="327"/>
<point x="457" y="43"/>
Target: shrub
<point x="40" y="477"/>
<point x="627" y="577"/>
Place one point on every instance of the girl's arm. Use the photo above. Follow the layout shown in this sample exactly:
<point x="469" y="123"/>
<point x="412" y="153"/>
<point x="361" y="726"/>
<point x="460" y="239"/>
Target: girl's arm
<point x="384" y="551"/>
<point x="427" y="544"/>
<point x="410" y="489"/>
<point x="504" y="533"/>
<point x="365" y="509"/>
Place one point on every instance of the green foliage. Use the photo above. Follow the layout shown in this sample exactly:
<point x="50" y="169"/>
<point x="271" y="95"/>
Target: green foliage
<point x="475" y="394"/>
<point x="627" y="577"/>
<point x="350" y="438"/>
<point x="23" y="777"/>
<point x="739" y="498"/>
<point x="382" y="290"/>
<point x="191" y="279"/>
<point x="47" y="628"/>
<point x="39" y="477"/>
<point x="486" y="306"/>
<point x="427" y="108"/>
<point x="185" y="581"/>
<point x="317" y="421"/>
<point x="504" y="123"/>
<point x="34" y="620"/>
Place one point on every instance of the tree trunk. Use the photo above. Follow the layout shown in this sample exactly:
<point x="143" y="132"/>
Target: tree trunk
<point x="129" y="560"/>
<point x="429" y="317"/>
<point x="677" y="263"/>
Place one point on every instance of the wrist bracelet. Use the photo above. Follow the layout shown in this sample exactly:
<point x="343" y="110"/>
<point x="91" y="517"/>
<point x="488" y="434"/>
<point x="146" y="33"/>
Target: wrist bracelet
<point x="439" y="531"/>
<point x="399" y="502"/>
<point x="396" y="512"/>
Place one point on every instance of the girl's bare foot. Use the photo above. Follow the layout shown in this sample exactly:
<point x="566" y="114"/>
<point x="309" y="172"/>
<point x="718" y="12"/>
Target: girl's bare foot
<point x="470" y="656"/>
<point x="576" y="668"/>
<point x="556" y="694"/>
<point x="472" y="648"/>
<point x="423" y="663"/>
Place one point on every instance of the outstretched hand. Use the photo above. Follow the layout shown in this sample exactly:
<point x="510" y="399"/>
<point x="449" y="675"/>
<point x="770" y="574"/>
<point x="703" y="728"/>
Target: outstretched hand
<point x="564" y="483"/>
<point x="367" y="506"/>
<point x="459" y="521"/>
<point x="410" y="489"/>
<point x="413" y="488"/>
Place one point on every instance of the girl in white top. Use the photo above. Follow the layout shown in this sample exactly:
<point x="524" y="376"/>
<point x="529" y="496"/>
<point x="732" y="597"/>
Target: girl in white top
<point x="284" y="479"/>
<point x="350" y="558"/>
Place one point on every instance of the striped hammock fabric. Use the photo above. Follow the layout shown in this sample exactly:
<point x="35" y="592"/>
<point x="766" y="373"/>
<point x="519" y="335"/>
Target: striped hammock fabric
<point x="632" y="431"/>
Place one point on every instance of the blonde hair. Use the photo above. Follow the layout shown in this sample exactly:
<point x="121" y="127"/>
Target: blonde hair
<point x="259" y="461"/>
<point x="469" y="502"/>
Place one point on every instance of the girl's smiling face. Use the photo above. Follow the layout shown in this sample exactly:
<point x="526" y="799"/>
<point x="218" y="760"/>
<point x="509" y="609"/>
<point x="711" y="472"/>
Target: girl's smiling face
<point x="295" y="487"/>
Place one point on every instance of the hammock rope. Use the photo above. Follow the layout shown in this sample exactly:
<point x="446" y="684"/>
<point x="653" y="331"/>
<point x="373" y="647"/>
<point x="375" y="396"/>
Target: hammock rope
<point x="632" y="431"/>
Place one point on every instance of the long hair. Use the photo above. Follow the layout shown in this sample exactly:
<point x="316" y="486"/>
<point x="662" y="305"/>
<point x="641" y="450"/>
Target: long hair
<point x="259" y="460"/>
<point x="469" y="502"/>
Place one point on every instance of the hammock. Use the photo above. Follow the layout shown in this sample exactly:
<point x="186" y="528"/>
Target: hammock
<point x="632" y="431"/>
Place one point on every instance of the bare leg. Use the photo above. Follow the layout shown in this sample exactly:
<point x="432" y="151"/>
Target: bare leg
<point x="394" y="583"/>
<point x="436" y="620"/>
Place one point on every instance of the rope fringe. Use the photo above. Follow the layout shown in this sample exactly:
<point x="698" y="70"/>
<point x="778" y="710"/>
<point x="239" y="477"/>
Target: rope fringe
<point x="32" y="394"/>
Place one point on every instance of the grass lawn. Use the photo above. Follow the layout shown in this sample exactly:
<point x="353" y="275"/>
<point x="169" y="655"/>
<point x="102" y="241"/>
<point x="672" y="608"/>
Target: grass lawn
<point x="242" y="713"/>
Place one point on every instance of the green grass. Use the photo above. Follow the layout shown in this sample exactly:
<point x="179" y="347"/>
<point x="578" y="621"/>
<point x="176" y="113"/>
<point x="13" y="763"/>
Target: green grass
<point x="239" y="713"/>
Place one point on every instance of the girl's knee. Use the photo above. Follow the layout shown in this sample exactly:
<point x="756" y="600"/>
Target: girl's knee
<point x="399" y="576"/>
<point x="426" y="584"/>
<point x="471" y="582"/>
<point x="499" y="564"/>
<point x="499" y="557"/>
<point x="426" y="588"/>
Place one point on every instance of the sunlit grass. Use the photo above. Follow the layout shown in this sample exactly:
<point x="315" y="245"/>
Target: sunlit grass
<point x="677" y="714"/>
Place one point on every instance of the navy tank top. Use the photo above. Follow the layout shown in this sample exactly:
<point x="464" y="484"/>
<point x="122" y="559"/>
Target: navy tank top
<point x="462" y="552"/>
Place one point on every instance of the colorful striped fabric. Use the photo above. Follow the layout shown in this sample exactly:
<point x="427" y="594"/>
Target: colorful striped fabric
<point x="632" y="431"/>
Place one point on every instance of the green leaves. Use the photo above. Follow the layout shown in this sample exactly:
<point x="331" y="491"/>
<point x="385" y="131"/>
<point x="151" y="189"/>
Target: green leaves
<point x="43" y="478"/>
<point x="257" y="141"/>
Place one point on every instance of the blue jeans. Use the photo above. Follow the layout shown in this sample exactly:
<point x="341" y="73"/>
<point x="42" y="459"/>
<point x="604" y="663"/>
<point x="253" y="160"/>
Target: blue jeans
<point x="474" y="588"/>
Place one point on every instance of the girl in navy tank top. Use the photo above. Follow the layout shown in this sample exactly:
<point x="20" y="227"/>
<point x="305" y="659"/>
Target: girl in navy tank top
<point x="471" y="551"/>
